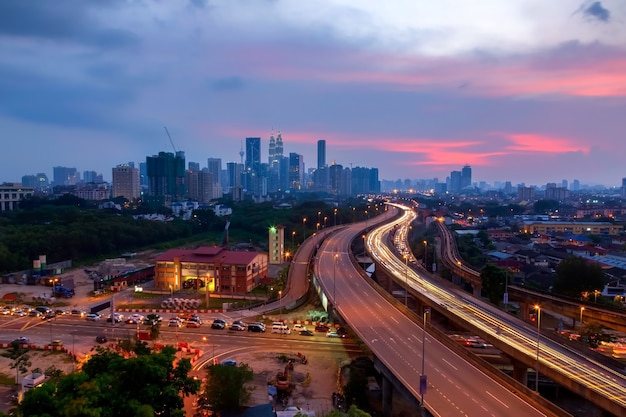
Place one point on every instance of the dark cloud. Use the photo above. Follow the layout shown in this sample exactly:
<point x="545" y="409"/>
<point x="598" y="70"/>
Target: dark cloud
<point x="596" y="11"/>
<point x="42" y="99"/>
<point x="227" y="84"/>
<point x="60" y="20"/>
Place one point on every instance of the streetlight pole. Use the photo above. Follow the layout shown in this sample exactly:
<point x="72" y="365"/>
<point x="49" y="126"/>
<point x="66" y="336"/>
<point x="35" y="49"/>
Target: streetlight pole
<point x="506" y="290"/>
<point x="280" y="305"/>
<point x="426" y="255"/>
<point x="423" y="378"/>
<point x="406" y="280"/>
<point x="581" y="315"/>
<point x="303" y="229"/>
<point x="537" y="358"/>
<point x="293" y="240"/>
<point x="335" y="217"/>
<point x="335" y="256"/>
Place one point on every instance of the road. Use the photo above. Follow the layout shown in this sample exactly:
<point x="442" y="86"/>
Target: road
<point x="455" y="388"/>
<point x="509" y="330"/>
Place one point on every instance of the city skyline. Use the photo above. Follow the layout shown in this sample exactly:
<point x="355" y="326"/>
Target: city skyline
<point x="521" y="91"/>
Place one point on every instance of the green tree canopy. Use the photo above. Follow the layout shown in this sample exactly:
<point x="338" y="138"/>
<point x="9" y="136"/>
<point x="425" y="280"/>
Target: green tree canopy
<point x="225" y="388"/>
<point x="110" y="385"/>
<point x="492" y="279"/>
<point x="575" y="275"/>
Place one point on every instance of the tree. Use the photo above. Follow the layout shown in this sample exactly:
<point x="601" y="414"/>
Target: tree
<point x="110" y="385"/>
<point x="575" y="275"/>
<point x="225" y="388"/>
<point x="20" y="358"/>
<point x="492" y="279"/>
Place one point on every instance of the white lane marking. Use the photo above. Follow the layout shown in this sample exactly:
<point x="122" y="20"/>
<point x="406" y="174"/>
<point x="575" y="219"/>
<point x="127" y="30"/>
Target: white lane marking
<point x="494" y="397"/>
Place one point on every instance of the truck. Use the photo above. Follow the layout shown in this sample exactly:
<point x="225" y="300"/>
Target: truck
<point x="61" y="291"/>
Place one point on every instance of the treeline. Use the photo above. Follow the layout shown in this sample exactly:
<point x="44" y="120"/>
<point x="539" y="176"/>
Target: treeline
<point x="63" y="232"/>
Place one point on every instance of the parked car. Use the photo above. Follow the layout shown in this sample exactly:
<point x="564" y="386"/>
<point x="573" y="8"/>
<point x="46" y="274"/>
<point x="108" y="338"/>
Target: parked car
<point x="322" y="328"/>
<point x="192" y="324"/>
<point x="56" y="342"/>
<point x="60" y="312"/>
<point x="35" y="313"/>
<point x="101" y="339"/>
<point x="77" y="312"/>
<point x="92" y="317"/>
<point x="218" y="325"/>
<point x="306" y="332"/>
<point x="22" y="340"/>
<point x="298" y="327"/>
<point x="333" y="333"/>
<point x="229" y="362"/>
<point x="19" y="312"/>
<point x="341" y="330"/>
<point x="237" y="327"/>
<point x="175" y="323"/>
<point x="256" y="328"/>
<point x="241" y="323"/>
<point x="152" y="319"/>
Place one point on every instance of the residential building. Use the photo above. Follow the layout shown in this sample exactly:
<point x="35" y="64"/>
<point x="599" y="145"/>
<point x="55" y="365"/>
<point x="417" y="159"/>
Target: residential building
<point x="276" y="235"/>
<point x="166" y="175"/>
<point x="126" y="182"/>
<point x="12" y="193"/>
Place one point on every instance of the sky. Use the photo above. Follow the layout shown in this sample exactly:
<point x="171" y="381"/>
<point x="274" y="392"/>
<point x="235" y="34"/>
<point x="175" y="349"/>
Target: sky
<point x="527" y="91"/>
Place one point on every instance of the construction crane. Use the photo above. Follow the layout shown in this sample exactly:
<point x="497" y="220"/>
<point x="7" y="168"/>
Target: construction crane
<point x="171" y="141"/>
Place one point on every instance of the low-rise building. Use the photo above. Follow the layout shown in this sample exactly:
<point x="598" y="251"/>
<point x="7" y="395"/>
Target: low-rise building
<point x="214" y="268"/>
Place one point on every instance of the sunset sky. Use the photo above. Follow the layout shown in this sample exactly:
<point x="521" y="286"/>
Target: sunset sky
<point x="528" y="91"/>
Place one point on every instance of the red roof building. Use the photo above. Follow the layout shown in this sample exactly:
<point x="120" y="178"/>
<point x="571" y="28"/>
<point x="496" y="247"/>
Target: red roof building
<point x="215" y="268"/>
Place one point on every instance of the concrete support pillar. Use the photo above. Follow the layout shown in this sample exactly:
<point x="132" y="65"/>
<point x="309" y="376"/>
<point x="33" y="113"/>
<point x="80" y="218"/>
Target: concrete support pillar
<point x="387" y="399"/>
<point x="520" y="371"/>
<point x="476" y="289"/>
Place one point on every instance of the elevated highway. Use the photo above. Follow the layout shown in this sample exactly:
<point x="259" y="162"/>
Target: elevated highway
<point x="455" y="386"/>
<point x="523" y="343"/>
<point x="528" y="298"/>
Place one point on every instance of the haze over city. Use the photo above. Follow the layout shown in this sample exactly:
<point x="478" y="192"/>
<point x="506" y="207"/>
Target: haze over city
<point x="523" y="91"/>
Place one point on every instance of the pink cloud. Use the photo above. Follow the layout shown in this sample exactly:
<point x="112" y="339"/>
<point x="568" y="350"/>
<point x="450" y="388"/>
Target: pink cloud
<point x="539" y="143"/>
<point x="542" y="74"/>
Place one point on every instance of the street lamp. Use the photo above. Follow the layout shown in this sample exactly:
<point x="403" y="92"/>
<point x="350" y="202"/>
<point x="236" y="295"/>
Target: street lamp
<point x="303" y="229"/>
<point x="581" y="314"/>
<point x="406" y="279"/>
<point x="171" y="291"/>
<point x="325" y="218"/>
<point x="335" y="212"/>
<point x="335" y="256"/>
<point x="423" y="378"/>
<point x="538" y="308"/>
<point x="280" y="305"/>
<point x="595" y="295"/>
<point x="425" y="254"/>
<point x="293" y="239"/>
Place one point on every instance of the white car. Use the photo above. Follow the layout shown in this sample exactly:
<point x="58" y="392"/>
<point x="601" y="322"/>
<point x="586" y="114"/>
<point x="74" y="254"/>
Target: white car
<point x="92" y="317"/>
<point x="298" y="327"/>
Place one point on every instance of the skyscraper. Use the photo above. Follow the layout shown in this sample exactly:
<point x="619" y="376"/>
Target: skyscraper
<point x="126" y="182"/>
<point x="215" y="168"/>
<point x="272" y="150"/>
<point x="466" y="177"/>
<point x="65" y="176"/>
<point x="296" y="171"/>
<point x="253" y="154"/>
<point x="166" y="175"/>
<point x="321" y="153"/>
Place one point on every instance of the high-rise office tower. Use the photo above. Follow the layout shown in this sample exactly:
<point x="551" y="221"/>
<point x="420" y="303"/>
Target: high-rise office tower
<point x="199" y="185"/>
<point x="279" y="146"/>
<point x="455" y="181"/>
<point x="272" y="150"/>
<point x="166" y="175"/>
<point x="126" y="182"/>
<point x="195" y="166"/>
<point x="253" y="154"/>
<point x="623" y="193"/>
<point x="214" y="166"/>
<point x="296" y="171"/>
<point x="321" y="153"/>
<point x="65" y="176"/>
<point x="466" y="177"/>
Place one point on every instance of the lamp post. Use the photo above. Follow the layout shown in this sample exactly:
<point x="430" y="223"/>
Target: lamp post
<point x="335" y="212"/>
<point x="581" y="315"/>
<point x="335" y="256"/>
<point x="538" y="308"/>
<point x="280" y="305"/>
<point x="406" y="279"/>
<point x="423" y="378"/>
<point x="303" y="229"/>
<point x="319" y="217"/>
<point x="293" y="239"/>
<point x="506" y="289"/>
<point x="325" y="219"/>
<point x="425" y="255"/>
<point x="595" y="295"/>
